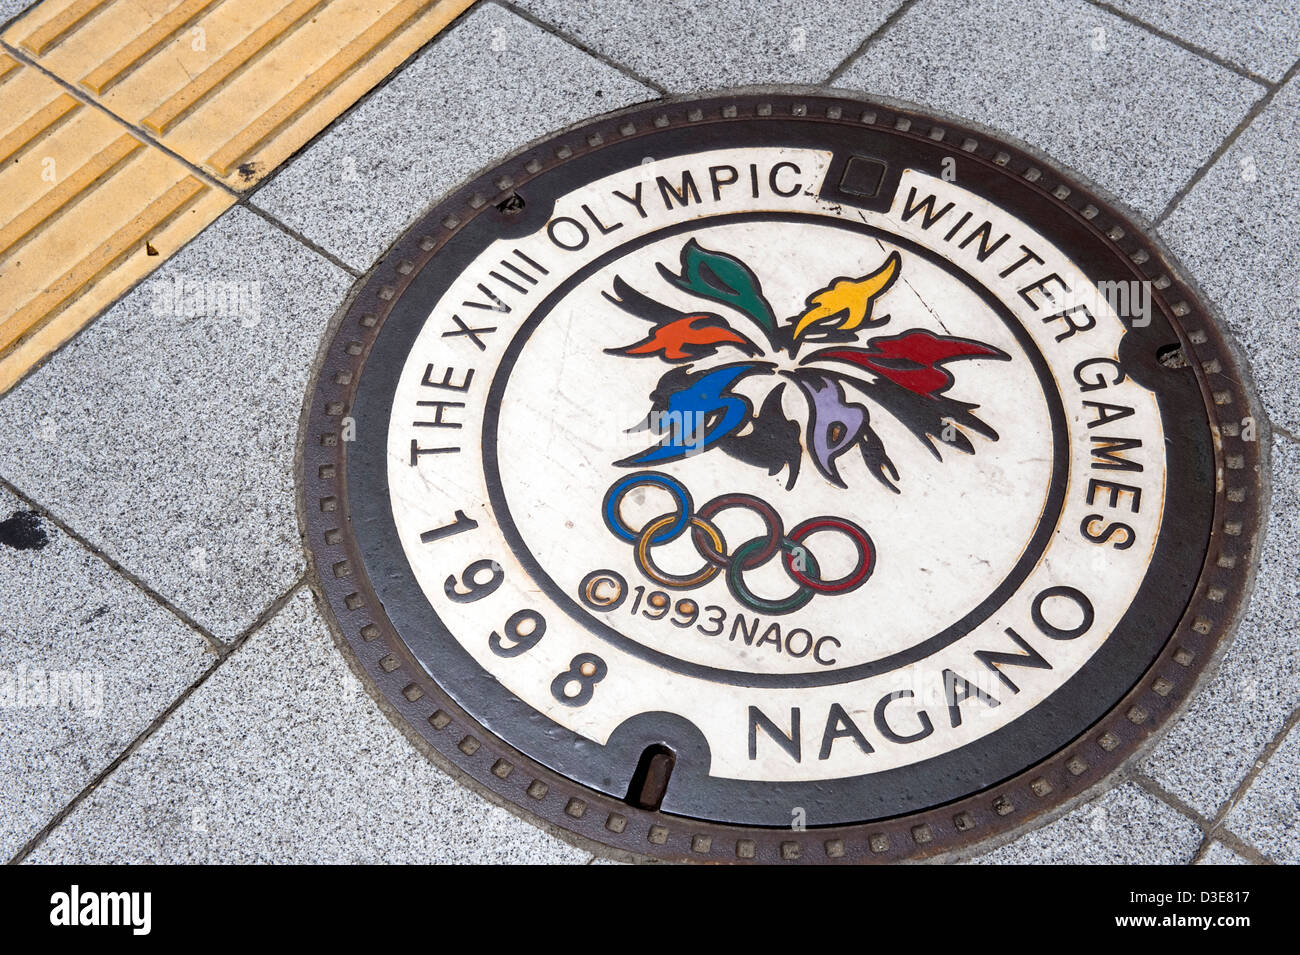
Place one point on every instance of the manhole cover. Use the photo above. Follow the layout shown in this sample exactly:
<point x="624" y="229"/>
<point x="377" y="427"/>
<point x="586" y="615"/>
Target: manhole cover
<point x="780" y="476"/>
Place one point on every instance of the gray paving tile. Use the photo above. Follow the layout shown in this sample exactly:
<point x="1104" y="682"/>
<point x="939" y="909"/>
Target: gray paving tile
<point x="165" y="432"/>
<point x="282" y="757"/>
<point x="87" y="661"/>
<point x="10" y="9"/>
<point x="1219" y="854"/>
<point x="1263" y="36"/>
<point x="1246" y="703"/>
<point x="687" y="45"/>
<point x="488" y="86"/>
<point x="1236" y="231"/>
<point x="1135" y="113"/>
<point x="1126" y="825"/>
<point x="1268" y="815"/>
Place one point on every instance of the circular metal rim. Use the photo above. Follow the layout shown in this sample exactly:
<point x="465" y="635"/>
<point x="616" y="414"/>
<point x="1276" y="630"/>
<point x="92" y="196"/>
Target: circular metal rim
<point x="595" y="821"/>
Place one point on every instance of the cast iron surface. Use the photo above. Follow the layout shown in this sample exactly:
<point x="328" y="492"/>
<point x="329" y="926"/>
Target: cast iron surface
<point x="1189" y="605"/>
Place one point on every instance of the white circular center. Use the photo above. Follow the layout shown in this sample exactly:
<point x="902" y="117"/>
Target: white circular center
<point x="946" y="534"/>
<point x="1008" y="484"/>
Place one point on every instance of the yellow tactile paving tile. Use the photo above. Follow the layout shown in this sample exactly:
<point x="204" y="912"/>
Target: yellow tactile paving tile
<point x="88" y="205"/>
<point x="233" y="86"/>
<point x="83" y="202"/>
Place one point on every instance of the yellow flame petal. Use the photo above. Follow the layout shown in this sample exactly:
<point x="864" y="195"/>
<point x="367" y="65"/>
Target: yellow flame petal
<point x="855" y="297"/>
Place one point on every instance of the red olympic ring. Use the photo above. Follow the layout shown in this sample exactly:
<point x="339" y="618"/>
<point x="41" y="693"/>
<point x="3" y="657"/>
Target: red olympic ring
<point x="856" y="578"/>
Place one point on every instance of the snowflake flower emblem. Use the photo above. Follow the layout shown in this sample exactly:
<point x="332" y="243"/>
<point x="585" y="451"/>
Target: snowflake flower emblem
<point x="695" y="408"/>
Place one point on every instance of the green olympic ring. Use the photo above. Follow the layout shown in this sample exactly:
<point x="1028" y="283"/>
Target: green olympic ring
<point x="736" y="582"/>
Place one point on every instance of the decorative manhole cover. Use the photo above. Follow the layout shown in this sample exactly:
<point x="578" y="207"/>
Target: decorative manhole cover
<point x="780" y="476"/>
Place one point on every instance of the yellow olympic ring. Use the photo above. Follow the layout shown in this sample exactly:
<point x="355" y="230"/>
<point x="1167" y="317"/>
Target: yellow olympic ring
<point x="684" y="582"/>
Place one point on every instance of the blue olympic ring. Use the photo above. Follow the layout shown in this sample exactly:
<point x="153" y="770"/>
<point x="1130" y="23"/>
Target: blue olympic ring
<point x="614" y="496"/>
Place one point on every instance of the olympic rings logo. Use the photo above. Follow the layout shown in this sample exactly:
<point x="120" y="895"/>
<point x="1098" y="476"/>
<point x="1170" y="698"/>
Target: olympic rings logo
<point x="717" y="558"/>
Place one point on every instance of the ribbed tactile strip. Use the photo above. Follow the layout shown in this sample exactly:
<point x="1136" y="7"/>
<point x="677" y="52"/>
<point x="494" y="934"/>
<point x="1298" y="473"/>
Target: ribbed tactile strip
<point x="229" y="89"/>
<point x="233" y="86"/>
<point x="86" y="210"/>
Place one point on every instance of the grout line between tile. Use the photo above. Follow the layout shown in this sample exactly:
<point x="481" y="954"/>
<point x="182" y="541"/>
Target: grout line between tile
<point x="1192" y="48"/>
<point x="6" y="24"/>
<point x="1218" y="824"/>
<point x="1288" y="435"/>
<point x="1208" y="831"/>
<point x="295" y="234"/>
<point x="1153" y="788"/>
<point x="1241" y="847"/>
<point x="214" y="643"/>
<point x="262" y="619"/>
<point x="45" y="359"/>
<point x="241" y="197"/>
<point x="1258" y="107"/>
<point x="140" y="133"/>
<point x="575" y="42"/>
<point x="248" y="199"/>
<point x="1212" y="829"/>
<point x="862" y="47"/>
<point x="359" y="102"/>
